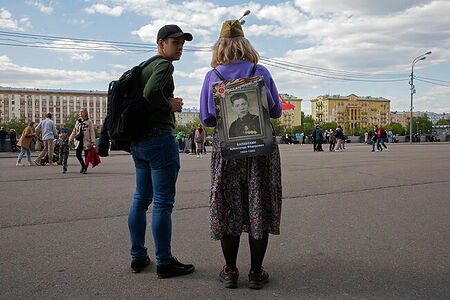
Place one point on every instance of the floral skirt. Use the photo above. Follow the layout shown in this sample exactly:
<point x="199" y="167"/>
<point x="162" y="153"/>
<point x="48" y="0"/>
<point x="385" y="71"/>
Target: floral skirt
<point x="245" y="194"/>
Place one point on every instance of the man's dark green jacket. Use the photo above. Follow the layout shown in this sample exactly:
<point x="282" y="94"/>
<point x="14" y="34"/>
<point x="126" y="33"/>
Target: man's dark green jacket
<point x="157" y="80"/>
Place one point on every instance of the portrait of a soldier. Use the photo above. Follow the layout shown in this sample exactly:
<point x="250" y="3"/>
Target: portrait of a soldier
<point x="246" y="123"/>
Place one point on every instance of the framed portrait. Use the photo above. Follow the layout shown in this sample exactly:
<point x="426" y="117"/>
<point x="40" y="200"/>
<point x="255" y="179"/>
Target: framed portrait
<point x="243" y="121"/>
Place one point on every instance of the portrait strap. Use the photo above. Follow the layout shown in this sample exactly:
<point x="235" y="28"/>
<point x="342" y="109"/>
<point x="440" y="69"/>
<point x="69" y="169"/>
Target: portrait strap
<point x="252" y="73"/>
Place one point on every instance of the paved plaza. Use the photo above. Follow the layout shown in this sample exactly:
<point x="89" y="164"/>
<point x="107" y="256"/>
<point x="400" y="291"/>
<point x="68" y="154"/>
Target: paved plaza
<point x="354" y="225"/>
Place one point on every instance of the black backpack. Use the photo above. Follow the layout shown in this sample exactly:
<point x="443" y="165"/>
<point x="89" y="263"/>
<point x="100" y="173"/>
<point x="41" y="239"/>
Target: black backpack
<point x="129" y="113"/>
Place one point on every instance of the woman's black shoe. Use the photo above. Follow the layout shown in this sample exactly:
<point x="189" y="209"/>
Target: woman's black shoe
<point x="139" y="264"/>
<point x="82" y="170"/>
<point x="174" y="268"/>
<point x="256" y="281"/>
<point x="229" y="278"/>
<point x="85" y="170"/>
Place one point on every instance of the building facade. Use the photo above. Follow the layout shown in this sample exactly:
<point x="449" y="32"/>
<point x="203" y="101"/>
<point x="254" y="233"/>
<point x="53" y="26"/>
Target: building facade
<point x="351" y="111"/>
<point x="291" y="117"/>
<point x="401" y="118"/>
<point x="432" y="116"/>
<point x="34" y="104"/>
<point x="188" y="115"/>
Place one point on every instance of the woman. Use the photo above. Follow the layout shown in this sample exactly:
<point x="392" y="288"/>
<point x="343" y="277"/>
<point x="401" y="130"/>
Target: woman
<point x="245" y="193"/>
<point x="24" y="143"/>
<point x="84" y="136"/>
<point x="339" y="134"/>
<point x="200" y="139"/>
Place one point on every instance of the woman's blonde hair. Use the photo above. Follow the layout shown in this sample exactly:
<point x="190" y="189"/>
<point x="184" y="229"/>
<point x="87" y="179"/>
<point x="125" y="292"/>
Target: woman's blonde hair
<point x="236" y="48"/>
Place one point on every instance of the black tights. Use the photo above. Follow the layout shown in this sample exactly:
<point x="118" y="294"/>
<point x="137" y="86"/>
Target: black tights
<point x="78" y="154"/>
<point x="230" y="247"/>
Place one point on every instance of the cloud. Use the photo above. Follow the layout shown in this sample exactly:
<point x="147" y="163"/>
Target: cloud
<point x="435" y="99"/>
<point x="7" y="22"/>
<point x="190" y="94"/>
<point x="45" y="9"/>
<point x="14" y="75"/>
<point x="198" y="74"/>
<point x="104" y="9"/>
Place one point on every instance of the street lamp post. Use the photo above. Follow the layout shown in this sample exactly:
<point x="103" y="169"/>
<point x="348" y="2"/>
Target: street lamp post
<point x="413" y="90"/>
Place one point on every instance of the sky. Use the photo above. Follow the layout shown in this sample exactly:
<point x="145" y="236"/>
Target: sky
<point x="311" y="47"/>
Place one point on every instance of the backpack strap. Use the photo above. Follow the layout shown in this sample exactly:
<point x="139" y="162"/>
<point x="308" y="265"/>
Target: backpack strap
<point x="218" y="74"/>
<point x="252" y="72"/>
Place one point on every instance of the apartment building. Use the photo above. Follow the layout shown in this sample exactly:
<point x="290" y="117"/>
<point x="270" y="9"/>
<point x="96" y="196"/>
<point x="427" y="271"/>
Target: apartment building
<point x="34" y="104"/>
<point x="291" y="117"/>
<point x="351" y="111"/>
<point x="401" y="118"/>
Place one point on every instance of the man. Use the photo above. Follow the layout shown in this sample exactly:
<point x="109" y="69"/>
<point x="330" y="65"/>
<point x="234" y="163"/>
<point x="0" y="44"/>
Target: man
<point x="157" y="161"/>
<point x="13" y="139"/>
<point x="318" y="137"/>
<point x="191" y="138"/>
<point x="381" y="135"/>
<point x="3" y="134"/>
<point x="246" y="123"/>
<point x="48" y="128"/>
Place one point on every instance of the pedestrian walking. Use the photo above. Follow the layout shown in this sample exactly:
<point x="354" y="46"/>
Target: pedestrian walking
<point x="83" y="136"/>
<point x="180" y="140"/>
<point x="318" y="137"/>
<point x="339" y="134"/>
<point x="381" y="136"/>
<point x="332" y="139"/>
<point x="245" y="193"/>
<point x="200" y="139"/>
<point x="64" y="147"/>
<point x="13" y="139"/>
<point x="3" y="134"/>
<point x="24" y="143"/>
<point x="192" y="139"/>
<point x="48" y="129"/>
<point x="303" y="137"/>
<point x="157" y="161"/>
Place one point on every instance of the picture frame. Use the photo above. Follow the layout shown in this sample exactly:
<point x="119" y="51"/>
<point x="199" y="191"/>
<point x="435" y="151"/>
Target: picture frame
<point x="243" y="120"/>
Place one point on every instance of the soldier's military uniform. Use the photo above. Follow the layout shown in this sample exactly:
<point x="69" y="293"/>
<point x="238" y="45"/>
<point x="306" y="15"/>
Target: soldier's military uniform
<point x="247" y="125"/>
<point x="63" y="151"/>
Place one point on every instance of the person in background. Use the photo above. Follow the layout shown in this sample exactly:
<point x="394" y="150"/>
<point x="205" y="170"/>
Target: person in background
<point x="84" y="136"/>
<point x="24" y="143"/>
<point x="303" y="137"/>
<point x="245" y="193"/>
<point x="192" y="139"/>
<point x="339" y="134"/>
<point x="3" y="134"/>
<point x="180" y="140"/>
<point x="389" y="136"/>
<point x="366" y="137"/>
<point x="48" y="128"/>
<point x="200" y="139"/>
<point x="63" y="142"/>
<point x="13" y="139"/>
<point x="332" y="139"/>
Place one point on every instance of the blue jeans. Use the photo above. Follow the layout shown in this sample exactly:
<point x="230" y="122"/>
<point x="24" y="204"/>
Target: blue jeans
<point x="157" y="163"/>
<point x="22" y="153"/>
<point x="380" y="141"/>
<point x="2" y="145"/>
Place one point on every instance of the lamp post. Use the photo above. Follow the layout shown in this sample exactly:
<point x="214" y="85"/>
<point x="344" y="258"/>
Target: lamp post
<point x="413" y="90"/>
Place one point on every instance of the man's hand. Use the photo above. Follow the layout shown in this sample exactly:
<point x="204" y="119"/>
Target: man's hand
<point x="177" y="104"/>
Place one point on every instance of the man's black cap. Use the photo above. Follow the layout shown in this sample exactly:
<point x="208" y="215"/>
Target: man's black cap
<point x="172" y="31"/>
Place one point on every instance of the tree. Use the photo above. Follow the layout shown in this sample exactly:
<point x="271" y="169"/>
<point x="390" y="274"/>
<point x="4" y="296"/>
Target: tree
<point x="277" y="127"/>
<point x="308" y="125"/>
<point x="70" y="121"/>
<point x="443" y="122"/>
<point x="396" y="128"/>
<point x="329" y="125"/>
<point x="421" y="124"/>
<point x="17" y="124"/>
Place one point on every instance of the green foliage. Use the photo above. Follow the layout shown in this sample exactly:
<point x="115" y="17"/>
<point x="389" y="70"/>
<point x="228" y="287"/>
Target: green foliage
<point x="396" y="128"/>
<point x="308" y="125"/>
<point x="421" y="124"/>
<point x="70" y="120"/>
<point x="443" y="122"/>
<point x="17" y="124"/>
<point x="278" y="128"/>
<point x="329" y="125"/>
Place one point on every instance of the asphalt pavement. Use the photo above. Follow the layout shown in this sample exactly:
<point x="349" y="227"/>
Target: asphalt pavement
<point x="355" y="225"/>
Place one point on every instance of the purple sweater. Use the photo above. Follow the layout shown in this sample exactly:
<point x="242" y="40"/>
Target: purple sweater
<point x="234" y="70"/>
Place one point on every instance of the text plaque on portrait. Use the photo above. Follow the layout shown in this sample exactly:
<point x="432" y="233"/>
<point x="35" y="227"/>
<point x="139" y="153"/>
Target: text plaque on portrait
<point x="243" y="120"/>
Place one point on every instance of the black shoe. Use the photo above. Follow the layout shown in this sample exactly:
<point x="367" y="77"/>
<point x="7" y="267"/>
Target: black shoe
<point x="85" y="171"/>
<point x="257" y="281"/>
<point x="139" y="264"/>
<point x="82" y="170"/>
<point x="174" y="268"/>
<point x="64" y="171"/>
<point x="230" y="278"/>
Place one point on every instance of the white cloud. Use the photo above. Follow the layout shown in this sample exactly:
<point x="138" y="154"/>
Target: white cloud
<point x="25" y="21"/>
<point x="198" y="74"/>
<point x="190" y="94"/>
<point x="7" y="22"/>
<point x="118" y="66"/>
<point x="45" y="9"/>
<point x="14" y="75"/>
<point x="436" y="99"/>
<point x="104" y="9"/>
